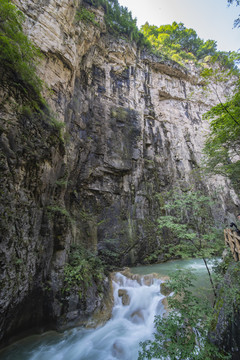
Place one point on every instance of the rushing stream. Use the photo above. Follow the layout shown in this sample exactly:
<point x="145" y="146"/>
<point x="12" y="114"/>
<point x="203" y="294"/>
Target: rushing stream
<point x="119" y="338"/>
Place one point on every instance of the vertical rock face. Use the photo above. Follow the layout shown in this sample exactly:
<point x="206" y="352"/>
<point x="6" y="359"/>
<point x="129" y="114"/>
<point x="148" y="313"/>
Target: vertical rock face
<point x="32" y="159"/>
<point x="225" y="332"/>
<point x="133" y="129"/>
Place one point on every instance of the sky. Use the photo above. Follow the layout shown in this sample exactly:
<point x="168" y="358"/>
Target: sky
<point x="211" y="19"/>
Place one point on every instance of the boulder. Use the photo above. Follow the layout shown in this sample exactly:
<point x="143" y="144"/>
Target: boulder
<point x="125" y="297"/>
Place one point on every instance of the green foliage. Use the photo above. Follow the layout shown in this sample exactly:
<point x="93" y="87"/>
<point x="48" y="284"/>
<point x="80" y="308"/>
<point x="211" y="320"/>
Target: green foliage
<point x="222" y="147"/>
<point x="62" y="182"/>
<point x="226" y="61"/>
<point x="59" y="210"/>
<point x="85" y="15"/>
<point x="19" y="261"/>
<point x="172" y="41"/>
<point x="58" y="125"/>
<point x="154" y="256"/>
<point x="182" y="44"/>
<point x="237" y="21"/>
<point x="224" y="324"/>
<point x="82" y="270"/>
<point x="183" y="334"/>
<point x="18" y="55"/>
<point x="222" y="144"/>
<point x="119" y="20"/>
<point x="110" y="254"/>
<point x="38" y="110"/>
<point x="221" y="267"/>
<point x="178" y="42"/>
<point x="18" y="60"/>
<point x="187" y="217"/>
<point x="227" y="274"/>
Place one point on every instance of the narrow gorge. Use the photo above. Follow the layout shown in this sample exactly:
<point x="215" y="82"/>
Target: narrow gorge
<point x="133" y="129"/>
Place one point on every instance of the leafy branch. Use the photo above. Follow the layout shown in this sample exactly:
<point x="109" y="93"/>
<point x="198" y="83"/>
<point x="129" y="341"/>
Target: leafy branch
<point x="187" y="217"/>
<point x="183" y="334"/>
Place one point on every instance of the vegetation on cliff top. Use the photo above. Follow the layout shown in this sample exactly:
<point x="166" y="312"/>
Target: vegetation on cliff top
<point x="182" y="44"/>
<point x="173" y="41"/>
<point x="118" y="19"/>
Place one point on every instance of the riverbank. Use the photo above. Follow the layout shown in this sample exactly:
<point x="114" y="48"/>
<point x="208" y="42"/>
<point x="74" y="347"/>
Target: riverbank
<point x="137" y="300"/>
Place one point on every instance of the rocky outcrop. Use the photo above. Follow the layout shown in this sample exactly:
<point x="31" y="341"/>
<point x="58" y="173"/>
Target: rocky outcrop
<point x="226" y="323"/>
<point x="164" y="289"/>
<point x="32" y="160"/>
<point x="133" y="128"/>
<point x="122" y="293"/>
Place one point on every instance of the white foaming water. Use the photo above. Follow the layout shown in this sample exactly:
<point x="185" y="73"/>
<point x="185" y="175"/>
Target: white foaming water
<point x="119" y="338"/>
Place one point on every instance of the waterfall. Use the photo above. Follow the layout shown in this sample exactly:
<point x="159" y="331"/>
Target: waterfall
<point x="136" y="302"/>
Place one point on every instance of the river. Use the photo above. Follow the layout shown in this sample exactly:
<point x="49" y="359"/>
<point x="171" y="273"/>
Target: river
<point x="119" y="338"/>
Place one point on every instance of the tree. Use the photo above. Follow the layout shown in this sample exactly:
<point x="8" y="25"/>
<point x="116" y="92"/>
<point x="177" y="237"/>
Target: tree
<point x="222" y="146"/>
<point x="119" y="20"/>
<point x="178" y="42"/>
<point x="183" y="334"/>
<point x="187" y="217"/>
<point x="237" y="21"/>
<point x="182" y="44"/>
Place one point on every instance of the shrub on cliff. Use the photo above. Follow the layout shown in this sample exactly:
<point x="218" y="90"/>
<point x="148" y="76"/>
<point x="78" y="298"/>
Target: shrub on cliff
<point x="119" y="21"/>
<point x="83" y="268"/>
<point x="18" y="54"/>
<point x="19" y="58"/>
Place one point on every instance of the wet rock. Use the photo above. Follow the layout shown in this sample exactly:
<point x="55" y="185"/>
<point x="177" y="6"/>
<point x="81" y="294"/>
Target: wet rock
<point x="149" y="279"/>
<point x="125" y="297"/>
<point x="166" y="307"/>
<point x="104" y="311"/>
<point x="164" y="289"/>
<point x="127" y="272"/>
<point x="137" y="317"/>
<point x="119" y="350"/>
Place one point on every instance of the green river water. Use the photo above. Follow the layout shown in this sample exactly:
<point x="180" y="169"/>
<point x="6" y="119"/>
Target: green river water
<point x="119" y="338"/>
<point x="197" y="267"/>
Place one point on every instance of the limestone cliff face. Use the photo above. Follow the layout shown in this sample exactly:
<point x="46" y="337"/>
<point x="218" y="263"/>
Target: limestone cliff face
<point x="133" y="129"/>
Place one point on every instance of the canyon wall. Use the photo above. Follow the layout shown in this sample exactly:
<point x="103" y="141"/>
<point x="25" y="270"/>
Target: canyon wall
<point x="133" y="129"/>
